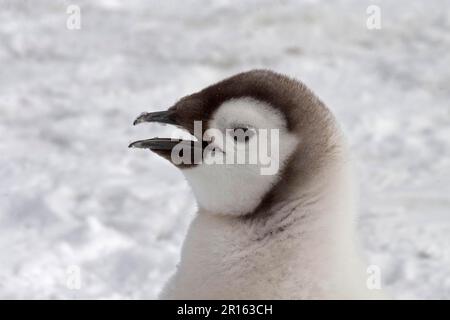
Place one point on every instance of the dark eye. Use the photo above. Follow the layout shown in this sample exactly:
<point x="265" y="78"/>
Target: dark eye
<point x="242" y="134"/>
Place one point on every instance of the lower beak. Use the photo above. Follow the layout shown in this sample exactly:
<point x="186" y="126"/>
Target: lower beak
<point x="156" y="144"/>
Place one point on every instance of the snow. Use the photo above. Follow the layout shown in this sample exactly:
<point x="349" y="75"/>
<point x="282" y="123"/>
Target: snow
<point x="72" y="194"/>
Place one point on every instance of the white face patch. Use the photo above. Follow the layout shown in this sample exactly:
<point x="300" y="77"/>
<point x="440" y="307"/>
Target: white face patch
<point x="238" y="188"/>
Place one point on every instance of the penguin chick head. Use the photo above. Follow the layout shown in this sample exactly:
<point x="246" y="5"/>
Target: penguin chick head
<point x="256" y="134"/>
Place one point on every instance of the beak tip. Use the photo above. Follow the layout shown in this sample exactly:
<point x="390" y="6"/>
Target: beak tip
<point x="140" y="119"/>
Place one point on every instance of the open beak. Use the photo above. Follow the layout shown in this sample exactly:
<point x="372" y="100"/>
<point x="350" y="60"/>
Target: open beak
<point x="170" y="149"/>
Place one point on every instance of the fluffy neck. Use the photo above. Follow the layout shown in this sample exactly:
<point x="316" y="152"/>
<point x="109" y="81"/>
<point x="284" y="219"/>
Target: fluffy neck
<point x="303" y="249"/>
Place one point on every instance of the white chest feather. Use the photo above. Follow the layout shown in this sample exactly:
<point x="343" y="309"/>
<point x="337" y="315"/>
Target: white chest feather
<point x="306" y="250"/>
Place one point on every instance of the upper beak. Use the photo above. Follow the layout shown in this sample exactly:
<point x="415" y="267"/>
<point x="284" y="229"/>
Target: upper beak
<point x="159" y="116"/>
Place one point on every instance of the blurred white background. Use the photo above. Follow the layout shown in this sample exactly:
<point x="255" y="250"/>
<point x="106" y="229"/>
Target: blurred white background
<point x="72" y="194"/>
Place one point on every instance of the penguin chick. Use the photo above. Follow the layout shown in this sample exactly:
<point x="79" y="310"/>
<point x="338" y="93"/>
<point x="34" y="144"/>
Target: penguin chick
<point x="289" y="234"/>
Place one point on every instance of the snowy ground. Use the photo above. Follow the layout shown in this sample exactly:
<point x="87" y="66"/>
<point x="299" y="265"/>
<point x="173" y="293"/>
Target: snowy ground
<point x="72" y="194"/>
